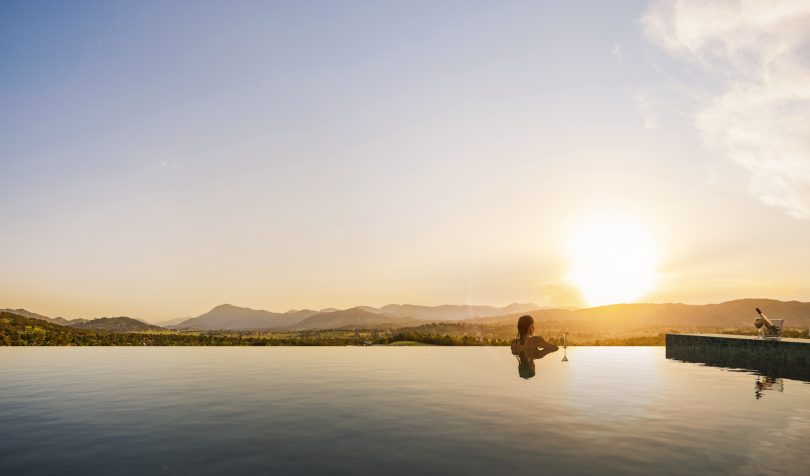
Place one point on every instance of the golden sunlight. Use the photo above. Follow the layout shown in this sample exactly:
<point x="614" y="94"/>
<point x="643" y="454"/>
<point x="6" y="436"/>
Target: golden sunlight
<point x="613" y="260"/>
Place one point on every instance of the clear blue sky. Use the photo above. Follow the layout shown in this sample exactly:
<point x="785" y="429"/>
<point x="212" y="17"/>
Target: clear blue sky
<point x="159" y="158"/>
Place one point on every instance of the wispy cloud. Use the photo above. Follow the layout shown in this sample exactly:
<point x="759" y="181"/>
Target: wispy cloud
<point x="616" y="50"/>
<point x="759" y="117"/>
<point x="646" y="109"/>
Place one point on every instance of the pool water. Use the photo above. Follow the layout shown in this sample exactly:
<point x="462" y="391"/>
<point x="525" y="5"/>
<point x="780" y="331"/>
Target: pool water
<point x="391" y="410"/>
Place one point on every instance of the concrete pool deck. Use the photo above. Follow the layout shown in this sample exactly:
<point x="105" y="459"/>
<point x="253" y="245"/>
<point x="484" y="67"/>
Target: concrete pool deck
<point x="787" y="358"/>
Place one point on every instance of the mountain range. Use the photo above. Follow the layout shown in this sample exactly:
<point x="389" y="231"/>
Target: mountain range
<point x="737" y="313"/>
<point x="53" y="320"/>
<point x="351" y="318"/>
<point x="227" y="316"/>
<point x="112" y="324"/>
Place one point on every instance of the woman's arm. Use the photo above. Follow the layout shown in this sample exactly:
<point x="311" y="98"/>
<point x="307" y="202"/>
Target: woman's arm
<point x="543" y="344"/>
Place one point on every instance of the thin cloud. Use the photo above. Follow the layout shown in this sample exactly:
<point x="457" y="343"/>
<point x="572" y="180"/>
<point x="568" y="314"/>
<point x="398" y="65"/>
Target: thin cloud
<point x="759" y="118"/>
<point x="646" y="110"/>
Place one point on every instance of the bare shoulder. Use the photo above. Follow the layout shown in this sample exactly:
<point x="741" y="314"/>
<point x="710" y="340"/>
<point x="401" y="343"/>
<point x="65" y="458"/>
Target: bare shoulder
<point x="531" y="342"/>
<point x="528" y="344"/>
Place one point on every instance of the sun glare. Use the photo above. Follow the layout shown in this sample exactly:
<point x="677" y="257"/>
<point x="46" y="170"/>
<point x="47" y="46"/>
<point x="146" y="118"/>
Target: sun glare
<point x="613" y="260"/>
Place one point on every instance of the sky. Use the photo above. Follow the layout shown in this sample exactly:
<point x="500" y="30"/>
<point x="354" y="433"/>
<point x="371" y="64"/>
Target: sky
<point x="160" y="158"/>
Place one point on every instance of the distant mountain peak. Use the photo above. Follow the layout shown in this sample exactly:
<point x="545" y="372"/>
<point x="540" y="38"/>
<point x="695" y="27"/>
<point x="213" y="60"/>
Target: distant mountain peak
<point x="228" y="316"/>
<point x="225" y="307"/>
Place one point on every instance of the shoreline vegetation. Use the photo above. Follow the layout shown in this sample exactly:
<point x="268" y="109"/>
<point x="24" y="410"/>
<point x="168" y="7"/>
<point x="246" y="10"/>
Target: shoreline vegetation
<point x="16" y="330"/>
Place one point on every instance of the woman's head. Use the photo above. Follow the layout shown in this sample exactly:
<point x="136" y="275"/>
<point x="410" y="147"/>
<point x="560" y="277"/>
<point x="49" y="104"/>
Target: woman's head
<point x="525" y="327"/>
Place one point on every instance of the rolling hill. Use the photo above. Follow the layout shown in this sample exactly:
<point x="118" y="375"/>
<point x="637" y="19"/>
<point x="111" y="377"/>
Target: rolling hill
<point x="32" y="315"/>
<point x="227" y="316"/>
<point x="171" y="322"/>
<point x="115" y="324"/>
<point x="354" y="318"/>
<point x="16" y="329"/>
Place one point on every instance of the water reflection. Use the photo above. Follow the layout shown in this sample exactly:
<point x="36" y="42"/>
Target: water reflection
<point x="726" y="358"/>
<point x="526" y="358"/>
<point x="204" y="411"/>
<point x="770" y="372"/>
<point x="565" y="347"/>
<point x="767" y="383"/>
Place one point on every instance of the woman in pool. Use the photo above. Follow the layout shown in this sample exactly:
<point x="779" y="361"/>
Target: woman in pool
<point x="526" y="340"/>
<point x="529" y="347"/>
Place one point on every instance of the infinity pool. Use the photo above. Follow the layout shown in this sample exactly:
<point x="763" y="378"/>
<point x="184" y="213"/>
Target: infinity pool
<point x="389" y="410"/>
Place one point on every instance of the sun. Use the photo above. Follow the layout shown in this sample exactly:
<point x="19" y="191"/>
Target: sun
<point x="613" y="260"/>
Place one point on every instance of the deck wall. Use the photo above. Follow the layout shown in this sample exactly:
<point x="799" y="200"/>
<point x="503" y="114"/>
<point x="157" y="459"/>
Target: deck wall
<point x="787" y="358"/>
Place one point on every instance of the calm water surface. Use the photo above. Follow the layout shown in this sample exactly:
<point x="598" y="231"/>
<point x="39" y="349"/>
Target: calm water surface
<point x="373" y="410"/>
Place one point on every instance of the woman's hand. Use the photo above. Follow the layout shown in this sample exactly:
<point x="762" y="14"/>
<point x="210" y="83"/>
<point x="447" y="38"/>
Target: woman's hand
<point x="545" y="345"/>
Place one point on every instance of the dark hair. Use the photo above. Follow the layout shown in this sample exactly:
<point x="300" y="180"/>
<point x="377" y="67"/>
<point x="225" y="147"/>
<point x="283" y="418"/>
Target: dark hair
<point x="523" y="328"/>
